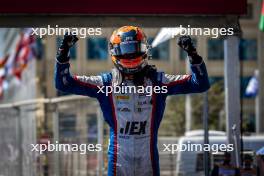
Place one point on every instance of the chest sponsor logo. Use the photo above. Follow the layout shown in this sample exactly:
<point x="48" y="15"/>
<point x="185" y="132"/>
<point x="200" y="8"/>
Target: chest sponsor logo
<point x="140" y="103"/>
<point x="122" y="102"/>
<point x="143" y="109"/>
<point x="142" y="95"/>
<point x="124" y="109"/>
<point x="134" y="128"/>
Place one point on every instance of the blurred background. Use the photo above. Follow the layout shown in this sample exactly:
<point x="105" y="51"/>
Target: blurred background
<point x="33" y="111"/>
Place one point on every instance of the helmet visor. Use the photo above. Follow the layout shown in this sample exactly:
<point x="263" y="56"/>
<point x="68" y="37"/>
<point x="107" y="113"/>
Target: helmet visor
<point x="128" y="48"/>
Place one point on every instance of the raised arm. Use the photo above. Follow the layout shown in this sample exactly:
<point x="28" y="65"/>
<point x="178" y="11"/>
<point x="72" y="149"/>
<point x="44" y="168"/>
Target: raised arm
<point x="194" y="83"/>
<point x="64" y="81"/>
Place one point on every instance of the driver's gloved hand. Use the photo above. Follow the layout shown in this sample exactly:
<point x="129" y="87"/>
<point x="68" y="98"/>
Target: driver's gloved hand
<point x="63" y="52"/>
<point x="186" y="43"/>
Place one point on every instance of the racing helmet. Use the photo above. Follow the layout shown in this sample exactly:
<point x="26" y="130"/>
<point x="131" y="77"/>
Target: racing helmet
<point x="129" y="49"/>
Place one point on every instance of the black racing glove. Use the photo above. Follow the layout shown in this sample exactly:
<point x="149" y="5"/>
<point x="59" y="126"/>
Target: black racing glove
<point x="186" y="43"/>
<point x="63" y="52"/>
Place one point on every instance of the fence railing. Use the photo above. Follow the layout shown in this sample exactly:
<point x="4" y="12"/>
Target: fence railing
<point x="68" y="119"/>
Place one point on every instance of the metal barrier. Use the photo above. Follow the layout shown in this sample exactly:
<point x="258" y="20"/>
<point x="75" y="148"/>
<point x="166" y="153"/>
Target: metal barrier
<point x="71" y="120"/>
<point x="17" y="130"/>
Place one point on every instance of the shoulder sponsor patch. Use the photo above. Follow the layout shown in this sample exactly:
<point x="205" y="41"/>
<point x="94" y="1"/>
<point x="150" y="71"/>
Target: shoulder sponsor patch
<point x="122" y="97"/>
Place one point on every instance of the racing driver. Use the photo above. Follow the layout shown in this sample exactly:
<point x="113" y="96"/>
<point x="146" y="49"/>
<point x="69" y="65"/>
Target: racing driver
<point x="134" y="118"/>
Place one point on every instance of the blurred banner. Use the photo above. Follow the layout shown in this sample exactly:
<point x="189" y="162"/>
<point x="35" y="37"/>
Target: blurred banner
<point x="261" y="22"/>
<point x="120" y="7"/>
<point x="16" y="61"/>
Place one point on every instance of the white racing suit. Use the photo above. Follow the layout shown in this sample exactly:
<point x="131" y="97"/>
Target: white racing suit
<point x="134" y="118"/>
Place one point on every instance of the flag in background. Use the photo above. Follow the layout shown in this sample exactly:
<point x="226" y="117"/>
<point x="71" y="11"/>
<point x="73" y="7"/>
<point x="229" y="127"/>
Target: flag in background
<point x="253" y="85"/>
<point x="3" y="82"/>
<point x="10" y="64"/>
<point x="261" y="22"/>
<point x="21" y="61"/>
<point x="3" y="61"/>
<point x="15" y="62"/>
<point x="165" y="34"/>
<point x="23" y="52"/>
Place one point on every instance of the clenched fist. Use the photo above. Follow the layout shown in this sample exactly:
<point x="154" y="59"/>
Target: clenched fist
<point x="186" y="43"/>
<point x="68" y="41"/>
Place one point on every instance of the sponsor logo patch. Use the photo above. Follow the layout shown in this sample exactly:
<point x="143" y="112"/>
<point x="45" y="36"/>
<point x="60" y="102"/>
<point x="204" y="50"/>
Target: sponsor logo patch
<point x="142" y="102"/>
<point x="123" y="109"/>
<point x="134" y="128"/>
<point x="143" y="109"/>
<point x="122" y="97"/>
<point x="122" y="102"/>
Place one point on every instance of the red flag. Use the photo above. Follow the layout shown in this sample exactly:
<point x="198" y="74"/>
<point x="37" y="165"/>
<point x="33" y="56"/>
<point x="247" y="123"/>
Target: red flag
<point x="22" y="61"/>
<point x="2" y="79"/>
<point x="26" y="39"/>
<point x="3" y="61"/>
<point x="23" y="53"/>
<point x="12" y="61"/>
